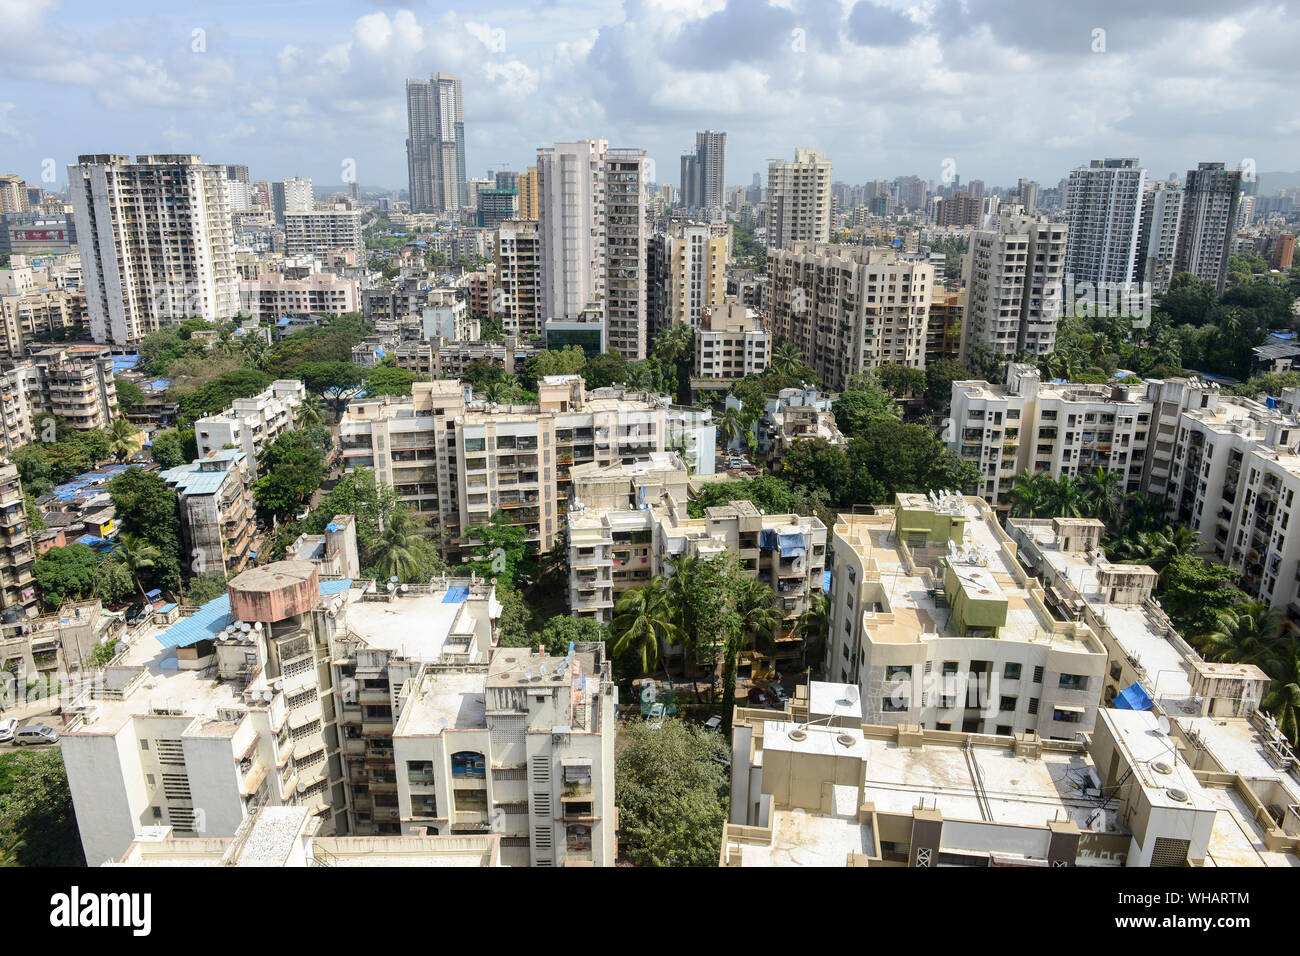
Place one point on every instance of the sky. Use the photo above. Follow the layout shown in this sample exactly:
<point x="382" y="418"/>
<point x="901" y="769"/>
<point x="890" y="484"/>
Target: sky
<point x="989" y="89"/>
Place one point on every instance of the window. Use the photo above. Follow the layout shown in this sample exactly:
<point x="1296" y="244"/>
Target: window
<point x="144" y="744"/>
<point x="1007" y="703"/>
<point x="1038" y="675"/>
<point x="1004" y="730"/>
<point x="1074" y="682"/>
<point x="1066" y="716"/>
<point x="157" y="813"/>
<point x="1033" y="705"/>
<point x="1011" y="672"/>
<point x="898" y="672"/>
<point x="949" y="668"/>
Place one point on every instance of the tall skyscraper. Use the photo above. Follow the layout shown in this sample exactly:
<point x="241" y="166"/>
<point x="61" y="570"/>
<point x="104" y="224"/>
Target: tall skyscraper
<point x="593" y="237"/>
<point x="799" y="199"/>
<point x="704" y="172"/>
<point x="156" y="243"/>
<point x="291" y="195"/>
<point x="435" y="147"/>
<point x="528" y="194"/>
<point x="1103" y="208"/>
<point x="1210" y="199"/>
<point x="1162" y="211"/>
<point x="688" y="274"/>
<point x="1014" y="287"/>
<point x="13" y="194"/>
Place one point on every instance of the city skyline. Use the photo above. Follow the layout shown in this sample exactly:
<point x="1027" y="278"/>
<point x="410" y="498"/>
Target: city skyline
<point x="321" y="97"/>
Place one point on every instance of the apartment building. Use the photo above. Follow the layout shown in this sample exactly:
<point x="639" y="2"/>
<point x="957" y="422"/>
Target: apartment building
<point x="13" y="194"/>
<point x="693" y="274"/>
<point x="156" y="243"/>
<point x="217" y="519"/>
<point x="29" y="316"/>
<point x="518" y="259"/>
<point x="944" y="324"/>
<point x="818" y="786"/>
<point x="1162" y="216"/>
<point x="270" y="296"/>
<point x="799" y="199"/>
<point x="1211" y="195"/>
<point x="71" y="382"/>
<point x="959" y="209"/>
<point x="704" y="172"/>
<point x="250" y="424"/>
<point x="523" y="745"/>
<point x="1006" y="430"/>
<point x="292" y="195"/>
<point x="17" y="589"/>
<point x="794" y="415"/>
<point x="629" y="522"/>
<point x="593" y="237"/>
<point x="33" y="648"/>
<point x="1013" y="277"/>
<point x="730" y="343"/>
<point x="937" y="624"/>
<point x="1103" y="210"/>
<point x="850" y="308"/>
<point x="289" y="837"/>
<point x="199" y="722"/>
<point x="319" y="233"/>
<point x="463" y="461"/>
<point x="435" y="146"/>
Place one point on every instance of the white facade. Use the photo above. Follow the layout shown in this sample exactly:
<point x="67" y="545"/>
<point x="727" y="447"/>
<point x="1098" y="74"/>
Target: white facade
<point x="1013" y="279"/>
<point x="156" y="243"/>
<point x="251" y="424"/>
<point x="799" y="199"/>
<point x="1103" y="209"/>
<point x="319" y="232"/>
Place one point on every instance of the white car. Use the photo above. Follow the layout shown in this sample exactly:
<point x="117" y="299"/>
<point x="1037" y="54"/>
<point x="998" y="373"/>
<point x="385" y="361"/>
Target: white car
<point x="7" y="727"/>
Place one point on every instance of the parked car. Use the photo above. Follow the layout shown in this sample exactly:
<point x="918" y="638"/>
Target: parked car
<point x="7" y="727"/>
<point x="35" y="734"/>
<point x="757" y="696"/>
<point x="134" y="613"/>
<point x="777" y="693"/>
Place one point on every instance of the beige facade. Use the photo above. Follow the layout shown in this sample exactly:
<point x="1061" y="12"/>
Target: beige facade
<point x="850" y="308"/>
<point x="697" y="273"/>
<point x="731" y="342"/>
<point x="518" y="259"/>
<point x="464" y="461"/>
<point x="937" y="624"/>
<point x="323" y="231"/>
<point x="17" y="589"/>
<point x="251" y="424"/>
<point x="270" y="296"/>
<point x="215" y="498"/>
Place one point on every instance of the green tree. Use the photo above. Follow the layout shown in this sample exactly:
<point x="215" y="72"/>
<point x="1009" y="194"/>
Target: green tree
<point x="389" y="380"/>
<point x="113" y="583"/>
<point x="65" y="574"/>
<point x="901" y="381"/>
<point x="292" y="468"/>
<point x="643" y="620"/>
<point x="167" y="449"/>
<point x="138" y="555"/>
<point x="147" y="509"/>
<point x="672" y="794"/>
<point x="817" y="464"/>
<point x="203" y="588"/>
<point x="129" y="395"/>
<point x="36" y="812"/>
<point x="570" y="360"/>
<point x="858" y="407"/>
<point x="563" y="629"/>
<point x="939" y="377"/>
<point x="501" y="552"/>
<point x="335" y="383"/>
<point x="397" y="552"/>
<point x="123" y="439"/>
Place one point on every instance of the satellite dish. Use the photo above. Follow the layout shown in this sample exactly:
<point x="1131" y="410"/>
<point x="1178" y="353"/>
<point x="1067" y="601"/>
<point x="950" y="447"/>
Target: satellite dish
<point x="258" y="627"/>
<point x="391" y="587"/>
<point x="544" y="670"/>
<point x="1162" y="725"/>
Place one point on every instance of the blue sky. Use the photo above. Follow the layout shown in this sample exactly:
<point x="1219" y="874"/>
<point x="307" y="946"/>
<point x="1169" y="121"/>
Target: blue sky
<point x="1004" y="88"/>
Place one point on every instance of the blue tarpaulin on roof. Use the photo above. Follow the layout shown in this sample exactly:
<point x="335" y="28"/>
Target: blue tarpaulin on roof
<point x="1133" y="698"/>
<point x="456" y="596"/>
<point x="212" y="618"/>
<point x="790" y="545"/>
<point x="332" y="527"/>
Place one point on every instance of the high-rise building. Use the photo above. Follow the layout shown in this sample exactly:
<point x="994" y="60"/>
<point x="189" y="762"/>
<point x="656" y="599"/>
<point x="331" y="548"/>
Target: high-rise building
<point x="1028" y="192"/>
<point x="318" y="232"/>
<point x="495" y="206"/>
<point x="518" y="259"/>
<point x="1103" y="208"/>
<point x="695" y="272"/>
<point x="236" y="173"/>
<point x="528" y="194"/>
<point x="593" y="237"/>
<point x="156" y="243"/>
<point x="1162" y="212"/>
<point x="1210" y="198"/>
<point x="13" y="194"/>
<point x="704" y="173"/>
<point x="960" y="209"/>
<point x="435" y="147"/>
<point x="799" y="199"/>
<point x="291" y="195"/>
<point x="1013" y="280"/>
<point x="850" y="308"/>
<point x="17" y="591"/>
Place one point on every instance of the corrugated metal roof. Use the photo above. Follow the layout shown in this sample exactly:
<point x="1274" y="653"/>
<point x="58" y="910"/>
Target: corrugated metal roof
<point x="213" y="617"/>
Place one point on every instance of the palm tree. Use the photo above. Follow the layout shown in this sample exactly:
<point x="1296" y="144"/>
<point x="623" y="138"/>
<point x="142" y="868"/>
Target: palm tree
<point x="643" y="618"/>
<point x="1064" y="497"/>
<point x="311" y="412"/>
<point x="1144" y="512"/>
<point x="123" y="439"/>
<point x="1157" y="549"/>
<point x="1103" y="493"/>
<point x="730" y="424"/>
<point x="813" y="626"/>
<point x="9" y="850"/>
<point x="1246" y="633"/>
<point x="395" y="552"/>
<point x="759" y="621"/>
<point x="499" y="393"/>
<point x="137" y="554"/>
<point x="1283" y="700"/>
<point x="1027" y="496"/>
<point x="675" y="345"/>
<point x="785" y="358"/>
